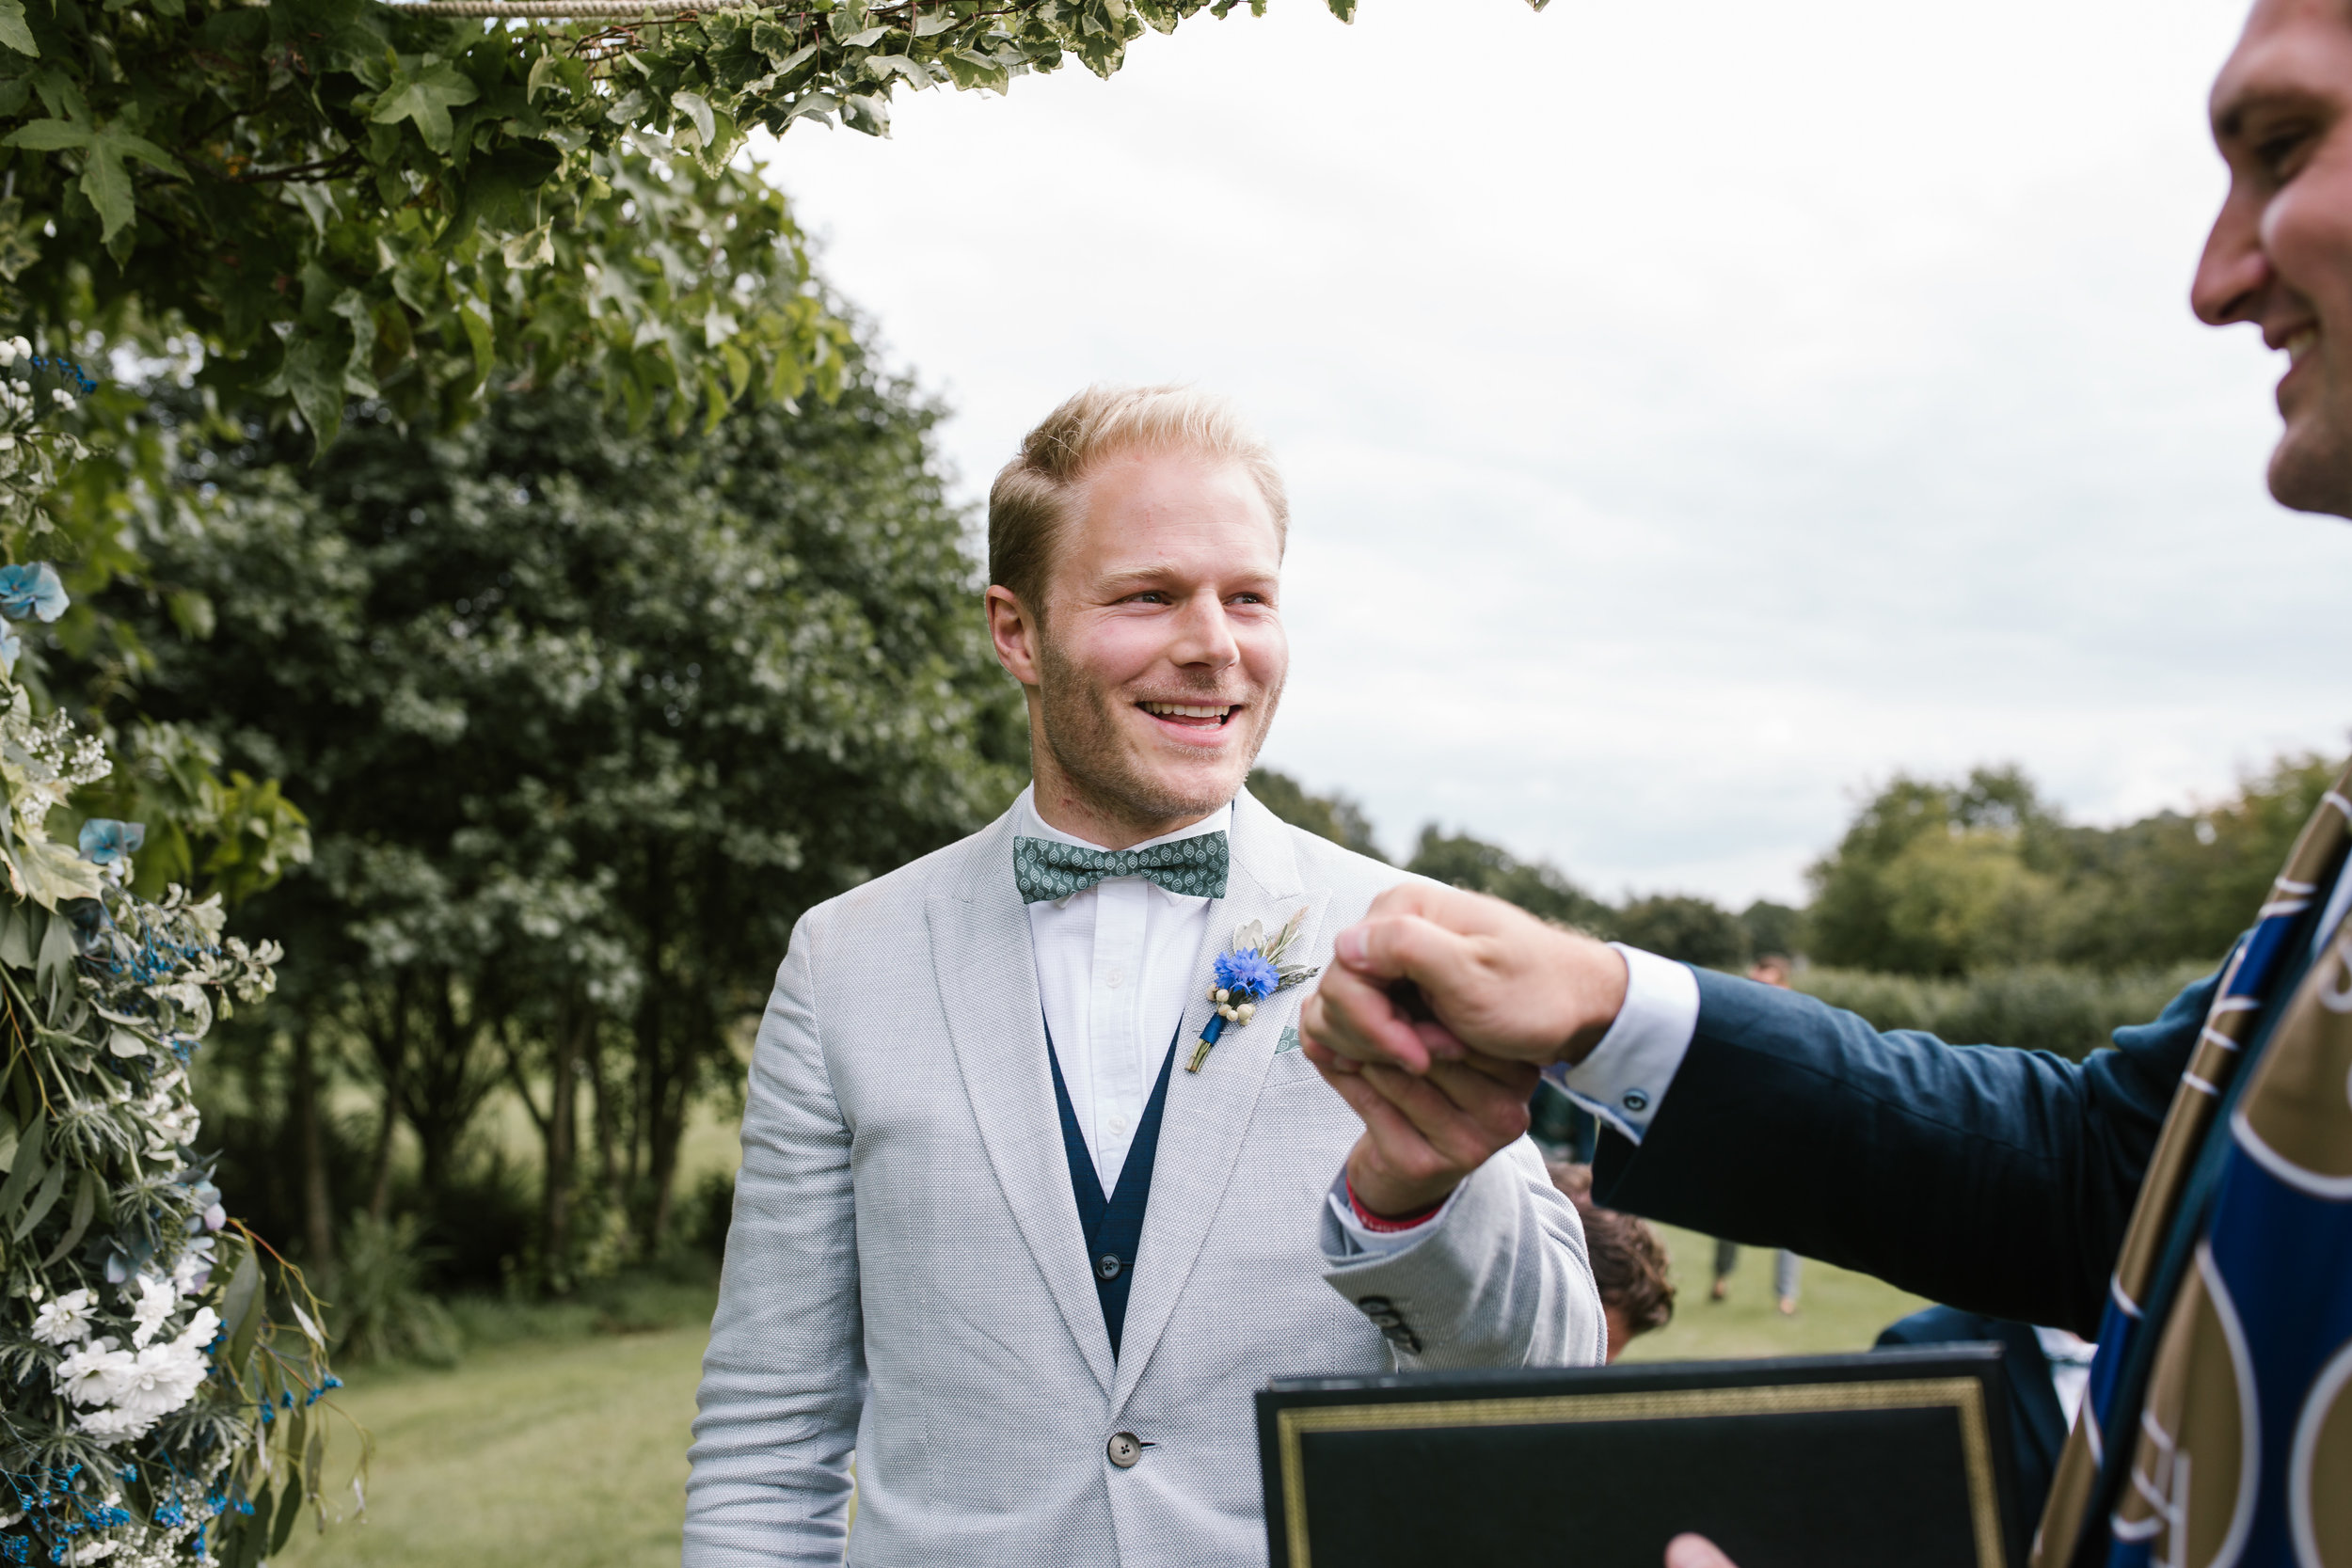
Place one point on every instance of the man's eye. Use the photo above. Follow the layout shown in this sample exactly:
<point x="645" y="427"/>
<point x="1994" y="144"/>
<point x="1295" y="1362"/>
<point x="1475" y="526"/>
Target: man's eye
<point x="1150" y="595"/>
<point x="2278" y="152"/>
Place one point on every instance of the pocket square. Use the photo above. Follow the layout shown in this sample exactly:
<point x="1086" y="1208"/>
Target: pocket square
<point x="1288" y="1042"/>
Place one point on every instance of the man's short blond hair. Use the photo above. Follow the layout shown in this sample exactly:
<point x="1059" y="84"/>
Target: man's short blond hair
<point x="1029" y="503"/>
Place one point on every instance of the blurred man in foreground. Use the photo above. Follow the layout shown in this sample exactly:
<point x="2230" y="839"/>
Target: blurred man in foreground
<point x="2208" y="1245"/>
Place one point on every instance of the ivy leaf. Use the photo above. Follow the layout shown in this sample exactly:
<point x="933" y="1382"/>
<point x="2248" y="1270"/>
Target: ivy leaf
<point x="12" y="29"/>
<point x="427" y="98"/>
<point x="546" y="67"/>
<point x="694" y="106"/>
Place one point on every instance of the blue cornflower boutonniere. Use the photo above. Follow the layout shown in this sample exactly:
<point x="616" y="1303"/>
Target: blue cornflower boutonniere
<point x="1246" y="974"/>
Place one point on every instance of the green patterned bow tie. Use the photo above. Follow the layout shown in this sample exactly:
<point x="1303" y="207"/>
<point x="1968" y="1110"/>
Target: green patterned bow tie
<point x="1045" y="868"/>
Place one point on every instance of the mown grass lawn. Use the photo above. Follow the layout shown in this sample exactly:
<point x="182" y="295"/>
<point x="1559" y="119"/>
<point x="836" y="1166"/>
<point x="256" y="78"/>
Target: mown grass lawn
<point x="564" y="1450"/>
<point x="570" y="1448"/>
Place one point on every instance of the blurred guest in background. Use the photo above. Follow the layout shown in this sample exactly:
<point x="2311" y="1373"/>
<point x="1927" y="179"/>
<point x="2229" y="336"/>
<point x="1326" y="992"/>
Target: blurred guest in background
<point x="1630" y="1263"/>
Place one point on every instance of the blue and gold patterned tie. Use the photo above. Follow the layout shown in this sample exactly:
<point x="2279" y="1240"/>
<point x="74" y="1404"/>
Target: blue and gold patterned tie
<point x="1045" y="868"/>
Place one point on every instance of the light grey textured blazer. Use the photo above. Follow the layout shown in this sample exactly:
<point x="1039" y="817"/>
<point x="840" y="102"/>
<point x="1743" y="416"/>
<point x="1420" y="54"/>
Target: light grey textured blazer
<point x="905" y="1274"/>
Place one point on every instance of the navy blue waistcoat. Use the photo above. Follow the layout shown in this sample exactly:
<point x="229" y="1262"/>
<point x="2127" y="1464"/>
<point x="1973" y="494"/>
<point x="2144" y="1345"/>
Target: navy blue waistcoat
<point x="1113" y="1225"/>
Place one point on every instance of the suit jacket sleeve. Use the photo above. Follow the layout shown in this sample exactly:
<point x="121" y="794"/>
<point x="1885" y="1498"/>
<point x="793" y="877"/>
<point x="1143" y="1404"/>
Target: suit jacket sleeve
<point x="1996" y="1180"/>
<point x="1501" y="1280"/>
<point x="784" y="1380"/>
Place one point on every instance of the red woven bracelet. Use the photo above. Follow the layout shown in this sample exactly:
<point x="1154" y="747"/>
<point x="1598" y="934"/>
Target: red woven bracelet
<point x="1373" y="1222"/>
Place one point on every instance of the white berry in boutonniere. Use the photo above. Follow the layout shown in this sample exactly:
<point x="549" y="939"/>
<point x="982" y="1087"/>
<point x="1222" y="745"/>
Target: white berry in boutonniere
<point x="1246" y="974"/>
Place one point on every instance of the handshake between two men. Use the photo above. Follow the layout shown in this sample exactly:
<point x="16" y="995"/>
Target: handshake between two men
<point x="1434" y="1023"/>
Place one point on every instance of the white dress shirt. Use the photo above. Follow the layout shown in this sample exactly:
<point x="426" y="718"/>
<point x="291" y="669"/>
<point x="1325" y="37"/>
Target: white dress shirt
<point x="1629" y="1071"/>
<point x="2070" y="1357"/>
<point x="1116" y="965"/>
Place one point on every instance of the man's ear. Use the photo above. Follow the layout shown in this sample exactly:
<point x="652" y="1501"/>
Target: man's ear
<point x="1014" y="631"/>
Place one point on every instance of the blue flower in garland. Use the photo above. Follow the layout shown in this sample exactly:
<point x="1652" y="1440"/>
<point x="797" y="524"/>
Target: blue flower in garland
<point x="105" y="841"/>
<point x="33" y="590"/>
<point x="1247" y="974"/>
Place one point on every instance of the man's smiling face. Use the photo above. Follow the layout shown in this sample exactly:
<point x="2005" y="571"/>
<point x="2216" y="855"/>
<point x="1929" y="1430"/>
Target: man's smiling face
<point x="2280" y="252"/>
<point x="1162" y="656"/>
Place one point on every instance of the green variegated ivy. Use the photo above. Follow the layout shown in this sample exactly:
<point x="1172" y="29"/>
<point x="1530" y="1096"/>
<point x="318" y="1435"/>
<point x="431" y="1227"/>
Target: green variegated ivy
<point x="346" y="199"/>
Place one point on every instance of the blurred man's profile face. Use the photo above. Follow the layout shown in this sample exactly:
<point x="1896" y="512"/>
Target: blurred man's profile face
<point x="1162" y="655"/>
<point x="2281" y="251"/>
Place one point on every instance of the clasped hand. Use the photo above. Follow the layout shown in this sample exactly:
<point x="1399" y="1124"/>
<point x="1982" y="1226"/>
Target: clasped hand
<point x="1438" y="1096"/>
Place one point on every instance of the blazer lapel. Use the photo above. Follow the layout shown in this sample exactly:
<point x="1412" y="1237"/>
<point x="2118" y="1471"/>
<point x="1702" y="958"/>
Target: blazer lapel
<point x="987" y="974"/>
<point x="1208" y="1111"/>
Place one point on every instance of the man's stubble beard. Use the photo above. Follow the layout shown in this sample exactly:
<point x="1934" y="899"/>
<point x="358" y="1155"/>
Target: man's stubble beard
<point x="2310" y="469"/>
<point x="1082" y="733"/>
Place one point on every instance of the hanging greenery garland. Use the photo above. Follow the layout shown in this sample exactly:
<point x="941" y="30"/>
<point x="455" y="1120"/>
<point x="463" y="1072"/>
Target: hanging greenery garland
<point x="153" y="1413"/>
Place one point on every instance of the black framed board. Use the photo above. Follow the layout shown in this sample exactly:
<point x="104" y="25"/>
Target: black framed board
<point x="1808" y="1462"/>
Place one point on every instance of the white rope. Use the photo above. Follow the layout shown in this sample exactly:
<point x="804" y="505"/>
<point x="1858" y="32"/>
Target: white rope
<point x="556" y="10"/>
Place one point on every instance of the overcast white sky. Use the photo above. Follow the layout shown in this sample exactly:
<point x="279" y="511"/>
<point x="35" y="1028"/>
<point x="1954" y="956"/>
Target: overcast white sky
<point x="1694" y="413"/>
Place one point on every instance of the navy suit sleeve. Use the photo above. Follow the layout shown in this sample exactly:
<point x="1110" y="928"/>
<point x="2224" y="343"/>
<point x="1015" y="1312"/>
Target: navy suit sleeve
<point x="1996" y="1180"/>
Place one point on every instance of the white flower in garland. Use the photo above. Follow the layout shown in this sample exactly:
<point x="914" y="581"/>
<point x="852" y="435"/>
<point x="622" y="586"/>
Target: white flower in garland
<point x="90" y="1373"/>
<point x="157" y="1302"/>
<point x="65" y="1319"/>
<point x="163" y="1378"/>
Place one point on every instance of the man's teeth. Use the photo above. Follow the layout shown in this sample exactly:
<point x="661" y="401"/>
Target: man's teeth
<point x="2300" y="344"/>
<point x="1185" y="710"/>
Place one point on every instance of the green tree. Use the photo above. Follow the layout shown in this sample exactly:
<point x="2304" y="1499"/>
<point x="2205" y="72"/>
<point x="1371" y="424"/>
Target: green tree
<point x="2179" y="886"/>
<point x="1335" y="816"/>
<point x="1773" y="928"/>
<point x="1949" y="879"/>
<point x="1535" y="886"/>
<point x="586" y="719"/>
<point x="1934" y="878"/>
<point x="1687" y="929"/>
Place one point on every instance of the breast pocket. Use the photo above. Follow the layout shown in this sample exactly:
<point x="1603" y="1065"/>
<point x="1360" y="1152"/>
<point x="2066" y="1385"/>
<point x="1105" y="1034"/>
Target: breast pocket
<point x="1291" y="1068"/>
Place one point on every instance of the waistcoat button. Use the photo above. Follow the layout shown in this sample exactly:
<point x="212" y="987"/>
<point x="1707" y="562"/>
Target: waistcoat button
<point x="1107" y="1266"/>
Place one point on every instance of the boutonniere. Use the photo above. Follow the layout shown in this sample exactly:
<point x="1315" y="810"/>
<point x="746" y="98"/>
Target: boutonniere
<point x="1246" y="974"/>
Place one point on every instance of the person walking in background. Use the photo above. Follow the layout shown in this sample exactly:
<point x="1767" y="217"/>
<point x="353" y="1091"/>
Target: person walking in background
<point x="1773" y="969"/>
<point x="1785" y="1280"/>
<point x="1037" y="1188"/>
<point x="1630" y="1262"/>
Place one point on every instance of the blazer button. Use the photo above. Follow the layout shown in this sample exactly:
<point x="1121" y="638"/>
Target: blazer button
<point x="1125" y="1449"/>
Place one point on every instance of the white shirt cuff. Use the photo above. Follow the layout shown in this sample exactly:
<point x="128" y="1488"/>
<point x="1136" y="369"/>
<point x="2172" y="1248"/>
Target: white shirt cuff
<point x="1629" y="1072"/>
<point x="1362" y="1240"/>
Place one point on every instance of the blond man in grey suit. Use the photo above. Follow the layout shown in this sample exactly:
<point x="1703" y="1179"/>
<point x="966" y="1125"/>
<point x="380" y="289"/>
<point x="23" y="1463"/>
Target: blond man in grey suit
<point x="1037" y="1185"/>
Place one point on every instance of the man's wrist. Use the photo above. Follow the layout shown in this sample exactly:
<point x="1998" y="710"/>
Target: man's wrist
<point x="1390" y="1224"/>
<point x="1384" y="1199"/>
<point x="1599" y="982"/>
